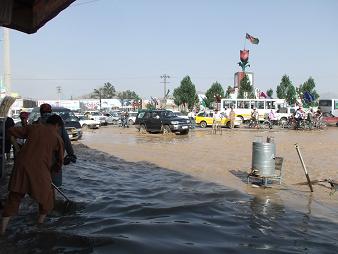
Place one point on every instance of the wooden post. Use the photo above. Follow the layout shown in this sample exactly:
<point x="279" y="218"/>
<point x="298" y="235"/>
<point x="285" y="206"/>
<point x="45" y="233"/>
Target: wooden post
<point x="304" y="167"/>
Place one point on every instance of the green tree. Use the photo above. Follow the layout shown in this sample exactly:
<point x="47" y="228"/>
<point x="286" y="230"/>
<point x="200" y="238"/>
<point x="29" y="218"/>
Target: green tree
<point x="228" y="92"/>
<point x="283" y="87"/>
<point x="286" y="90"/>
<point x="185" y="94"/>
<point x="291" y="95"/>
<point x="127" y="95"/>
<point x="245" y="88"/>
<point x="177" y="96"/>
<point x="269" y="93"/>
<point x="214" y="92"/>
<point x="109" y="91"/>
<point x="106" y="92"/>
<point x="308" y="86"/>
<point x="97" y="94"/>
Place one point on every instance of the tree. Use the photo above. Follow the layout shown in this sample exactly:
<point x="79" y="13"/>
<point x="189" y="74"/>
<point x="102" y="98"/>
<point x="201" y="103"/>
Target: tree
<point x="127" y="95"/>
<point x="109" y="91"/>
<point x="245" y="88"/>
<point x="291" y="95"/>
<point x="215" y="92"/>
<point x="185" y="94"/>
<point x="228" y="92"/>
<point x="106" y="92"/>
<point x="269" y="93"/>
<point x="97" y="94"/>
<point x="283" y="87"/>
<point x="309" y="87"/>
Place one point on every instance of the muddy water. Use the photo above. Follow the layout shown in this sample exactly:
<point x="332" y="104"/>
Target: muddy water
<point x="131" y="202"/>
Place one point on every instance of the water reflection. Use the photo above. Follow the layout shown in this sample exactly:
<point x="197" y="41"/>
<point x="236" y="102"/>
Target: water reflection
<point x="265" y="211"/>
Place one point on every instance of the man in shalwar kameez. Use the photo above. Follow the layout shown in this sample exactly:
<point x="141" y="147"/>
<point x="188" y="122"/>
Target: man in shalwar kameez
<point x="32" y="169"/>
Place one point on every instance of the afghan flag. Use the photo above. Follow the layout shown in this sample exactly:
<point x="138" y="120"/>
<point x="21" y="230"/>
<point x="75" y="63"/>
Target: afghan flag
<point x="252" y="39"/>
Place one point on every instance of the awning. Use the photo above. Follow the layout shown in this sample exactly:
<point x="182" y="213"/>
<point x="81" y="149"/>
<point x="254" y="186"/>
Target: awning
<point x="30" y="15"/>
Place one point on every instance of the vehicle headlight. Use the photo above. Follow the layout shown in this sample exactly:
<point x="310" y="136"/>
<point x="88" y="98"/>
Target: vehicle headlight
<point x="188" y="121"/>
<point x="174" y="122"/>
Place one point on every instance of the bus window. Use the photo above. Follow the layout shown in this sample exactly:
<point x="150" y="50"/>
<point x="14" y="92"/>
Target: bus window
<point x="336" y="104"/>
<point x="270" y="105"/>
<point x="226" y="104"/>
<point x="325" y="103"/>
<point x="260" y="104"/>
<point x="246" y="104"/>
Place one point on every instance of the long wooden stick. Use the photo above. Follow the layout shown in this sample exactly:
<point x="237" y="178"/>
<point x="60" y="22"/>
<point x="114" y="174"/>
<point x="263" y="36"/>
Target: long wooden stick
<point x="58" y="190"/>
<point x="304" y="167"/>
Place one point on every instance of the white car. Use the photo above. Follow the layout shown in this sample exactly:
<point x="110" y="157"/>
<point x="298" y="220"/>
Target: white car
<point x="88" y="123"/>
<point x="132" y="117"/>
<point x="97" y="116"/>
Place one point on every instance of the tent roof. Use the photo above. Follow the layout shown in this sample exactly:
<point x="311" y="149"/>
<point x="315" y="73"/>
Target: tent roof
<point x="30" y="15"/>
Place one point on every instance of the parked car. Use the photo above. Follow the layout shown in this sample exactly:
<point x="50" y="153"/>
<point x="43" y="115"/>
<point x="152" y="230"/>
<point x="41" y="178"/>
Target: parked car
<point x="97" y="116"/>
<point x="115" y="117"/>
<point x="132" y="117"/>
<point x="163" y="121"/>
<point x="205" y="119"/>
<point x="72" y="124"/>
<point x="330" y="119"/>
<point x="87" y="123"/>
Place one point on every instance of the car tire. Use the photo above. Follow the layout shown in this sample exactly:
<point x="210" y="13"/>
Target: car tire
<point x="166" y="129"/>
<point x="143" y="129"/>
<point x="228" y="124"/>
<point x="203" y="124"/>
<point x="85" y="127"/>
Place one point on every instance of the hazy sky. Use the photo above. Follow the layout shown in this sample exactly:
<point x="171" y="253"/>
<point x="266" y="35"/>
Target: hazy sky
<point x="131" y="43"/>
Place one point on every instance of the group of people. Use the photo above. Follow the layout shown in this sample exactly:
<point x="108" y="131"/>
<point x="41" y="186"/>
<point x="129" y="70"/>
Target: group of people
<point x="39" y="156"/>
<point x="217" y="117"/>
<point x="310" y="116"/>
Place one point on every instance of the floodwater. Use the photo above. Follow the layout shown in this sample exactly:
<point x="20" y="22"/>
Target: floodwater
<point x="141" y="207"/>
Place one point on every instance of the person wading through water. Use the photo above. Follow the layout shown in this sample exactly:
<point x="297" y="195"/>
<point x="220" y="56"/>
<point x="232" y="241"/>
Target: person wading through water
<point x="32" y="169"/>
<point x="45" y="112"/>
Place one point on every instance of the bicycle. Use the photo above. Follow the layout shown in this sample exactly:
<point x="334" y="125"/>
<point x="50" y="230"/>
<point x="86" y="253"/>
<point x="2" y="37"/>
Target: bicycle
<point x="254" y="123"/>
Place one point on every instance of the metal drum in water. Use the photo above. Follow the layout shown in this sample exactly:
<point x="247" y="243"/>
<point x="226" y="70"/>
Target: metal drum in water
<point x="263" y="155"/>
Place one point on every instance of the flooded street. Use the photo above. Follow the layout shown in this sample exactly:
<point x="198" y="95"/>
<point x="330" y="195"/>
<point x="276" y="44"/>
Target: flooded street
<point x="186" y="194"/>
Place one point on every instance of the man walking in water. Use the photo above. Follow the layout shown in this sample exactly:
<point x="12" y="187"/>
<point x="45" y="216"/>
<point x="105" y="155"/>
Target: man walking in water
<point x="32" y="173"/>
<point x="45" y="112"/>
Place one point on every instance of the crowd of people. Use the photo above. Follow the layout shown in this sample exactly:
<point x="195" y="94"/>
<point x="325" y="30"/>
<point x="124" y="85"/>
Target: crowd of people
<point x="38" y="158"/>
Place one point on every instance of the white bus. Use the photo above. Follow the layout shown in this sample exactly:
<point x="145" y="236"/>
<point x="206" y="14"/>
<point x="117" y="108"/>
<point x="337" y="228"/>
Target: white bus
<point x="244" y="107"/>
<point x="329" y="105"/>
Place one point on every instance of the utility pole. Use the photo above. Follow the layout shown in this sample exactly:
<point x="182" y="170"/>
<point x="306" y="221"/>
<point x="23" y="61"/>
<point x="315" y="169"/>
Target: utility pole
<point x="58" y="89"/>
<point x="164" y="77"/>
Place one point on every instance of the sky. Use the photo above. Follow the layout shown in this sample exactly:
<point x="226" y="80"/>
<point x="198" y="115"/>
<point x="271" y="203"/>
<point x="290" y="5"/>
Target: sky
<point x="131" y="43"/>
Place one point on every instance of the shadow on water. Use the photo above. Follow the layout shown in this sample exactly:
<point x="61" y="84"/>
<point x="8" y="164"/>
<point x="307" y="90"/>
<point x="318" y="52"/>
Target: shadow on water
<point x="127" y="207"/>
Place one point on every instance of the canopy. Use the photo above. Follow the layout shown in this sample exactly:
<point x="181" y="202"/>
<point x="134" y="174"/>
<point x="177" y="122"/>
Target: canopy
<point x="30" y="15"/>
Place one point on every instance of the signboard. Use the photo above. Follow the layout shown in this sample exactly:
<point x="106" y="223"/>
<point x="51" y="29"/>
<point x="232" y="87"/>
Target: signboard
<point x="70" y="104"/>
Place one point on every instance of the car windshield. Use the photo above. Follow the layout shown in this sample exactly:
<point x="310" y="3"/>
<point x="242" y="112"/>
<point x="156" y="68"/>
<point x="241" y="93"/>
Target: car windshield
<point x="168" y="114"/>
